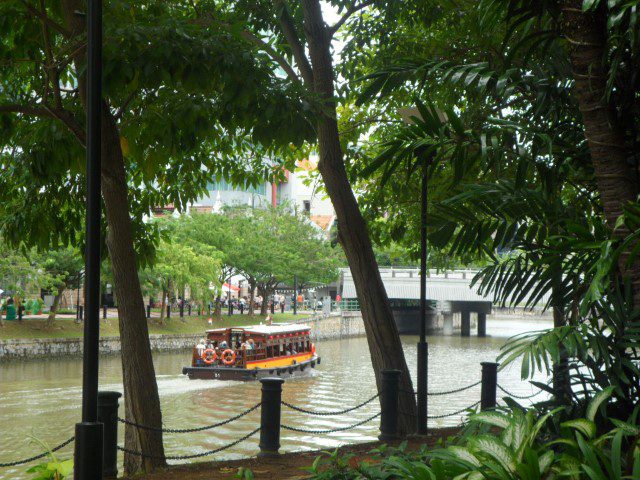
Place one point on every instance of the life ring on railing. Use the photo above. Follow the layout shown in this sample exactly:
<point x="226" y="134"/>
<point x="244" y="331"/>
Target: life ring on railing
<point x="313" y="349"/>
<point x="228" y="357"/>
<point x="209" y="356"/>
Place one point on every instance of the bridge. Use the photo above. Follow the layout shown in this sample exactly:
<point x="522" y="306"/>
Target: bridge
<point x="451" y="300"/>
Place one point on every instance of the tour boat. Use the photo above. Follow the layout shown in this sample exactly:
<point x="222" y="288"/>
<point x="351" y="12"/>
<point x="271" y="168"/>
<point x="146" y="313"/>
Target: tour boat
<point x="248" y="353"/>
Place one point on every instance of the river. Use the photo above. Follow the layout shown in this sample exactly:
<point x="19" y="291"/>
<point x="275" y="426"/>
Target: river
<point x="41" y="399"/>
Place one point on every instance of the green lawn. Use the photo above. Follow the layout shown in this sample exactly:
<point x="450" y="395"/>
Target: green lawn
<point x="67" y="328"/>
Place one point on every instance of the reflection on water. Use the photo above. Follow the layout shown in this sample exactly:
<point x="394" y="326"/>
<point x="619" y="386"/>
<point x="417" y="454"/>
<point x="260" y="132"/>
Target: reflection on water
<point x="42" y="398"/>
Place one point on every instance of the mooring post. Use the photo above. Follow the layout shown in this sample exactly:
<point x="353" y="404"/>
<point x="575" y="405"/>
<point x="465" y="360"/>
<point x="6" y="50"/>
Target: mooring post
<point x="273" y="307"/>
<point x="489" y="385"/>
<point x="181" y="309"/>
<point x="270" y="417"/>
<point x="148" y="311"/>
<point x="20" y="310"/>
<point x="108" y="416"/>
<point x="189" y="310"/>
<point x="389" y="392"/>
<point x="168" y="311"/>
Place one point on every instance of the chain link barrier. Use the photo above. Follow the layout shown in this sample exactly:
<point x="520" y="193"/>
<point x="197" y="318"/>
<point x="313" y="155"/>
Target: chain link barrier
<point x="435" y="417"/>
<point x="520" y="397"/>
<point x="446" y="392"/>
<point x="189" y="430"/>
<point x="189" y="457"/>
<point x="328" y="414"/>
<point x="332" y="430"/>
<point x="37" y="457"/>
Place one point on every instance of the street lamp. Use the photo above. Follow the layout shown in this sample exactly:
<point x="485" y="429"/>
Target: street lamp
<point x="407" y="115"/>
<point x="88" y="456"/>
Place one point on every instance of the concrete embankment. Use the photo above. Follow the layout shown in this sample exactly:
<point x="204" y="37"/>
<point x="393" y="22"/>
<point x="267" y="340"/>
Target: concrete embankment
<point x="322" y="328"/>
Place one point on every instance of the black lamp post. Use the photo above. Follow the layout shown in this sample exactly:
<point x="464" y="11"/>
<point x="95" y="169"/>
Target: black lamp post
<point x="88" y="441"/>
<point x="423" y="356"/>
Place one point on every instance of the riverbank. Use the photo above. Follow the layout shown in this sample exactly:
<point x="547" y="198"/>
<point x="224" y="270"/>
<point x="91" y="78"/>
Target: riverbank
<point x="34" y="339"/>
<point x="288" y="466"/>
<point x="33" y="328"/>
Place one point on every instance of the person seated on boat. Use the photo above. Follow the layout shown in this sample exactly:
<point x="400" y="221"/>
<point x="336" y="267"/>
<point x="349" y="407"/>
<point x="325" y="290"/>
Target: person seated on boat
<point x="200" y="348"/>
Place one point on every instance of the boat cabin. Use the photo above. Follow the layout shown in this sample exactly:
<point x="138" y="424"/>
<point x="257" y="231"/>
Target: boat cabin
<point x="256" y="347"/>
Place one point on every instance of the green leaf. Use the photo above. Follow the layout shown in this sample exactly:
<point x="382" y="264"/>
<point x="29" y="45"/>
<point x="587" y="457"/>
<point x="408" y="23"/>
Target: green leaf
<point x="598" y="399"/>
<point x="587" y="427"/>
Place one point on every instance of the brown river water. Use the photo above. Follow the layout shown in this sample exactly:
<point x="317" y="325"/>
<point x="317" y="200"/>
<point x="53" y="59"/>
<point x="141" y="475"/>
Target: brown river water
<point x="42" y="398"/>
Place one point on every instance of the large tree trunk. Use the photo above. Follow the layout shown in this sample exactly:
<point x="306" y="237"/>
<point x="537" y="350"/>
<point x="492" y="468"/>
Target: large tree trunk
<point x="616" y="178"/>
<point x="54" y="308"/>
<point x="141" y="397"/>
<point x="142" y="403"/>
<point x="382" y="335"/>
<point x="252" y="298"/>
<point x="264" y="293"/>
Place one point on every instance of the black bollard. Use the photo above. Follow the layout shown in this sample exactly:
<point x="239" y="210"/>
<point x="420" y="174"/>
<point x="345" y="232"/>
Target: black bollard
<point x="189" y="310"/>
<point x="273" y="308"/>
<point x="241" y="309"/>
<point x="108" y="416"/>
<point x="389" y="390"/>
<point x="80" y="312"/>
<point x="148" y="311"/>
<point x="20" y="311"/>
<point x="168" y="311"/>
<point x="270" y="417"/>
<point x="104" y="312"/>
<point x="489" y="385"/>
<point x="181" y="310"/>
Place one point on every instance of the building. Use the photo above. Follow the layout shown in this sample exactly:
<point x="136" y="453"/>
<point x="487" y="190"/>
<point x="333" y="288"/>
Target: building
<point x="301" y="190"/>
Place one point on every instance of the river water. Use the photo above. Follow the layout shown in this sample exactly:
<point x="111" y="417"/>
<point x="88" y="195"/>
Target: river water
<point x="41" y="399"/>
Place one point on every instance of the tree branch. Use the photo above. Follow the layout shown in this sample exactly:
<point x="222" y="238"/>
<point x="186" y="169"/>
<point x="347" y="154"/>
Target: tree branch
<point x="350" y="11"/>
<point x="50" y="68"/>
<point x="56" y="26"/>
<point x="293" y="39"/>
<point x="45" y="111"/>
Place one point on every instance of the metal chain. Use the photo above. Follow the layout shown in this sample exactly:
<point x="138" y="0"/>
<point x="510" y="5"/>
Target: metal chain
<point x="37" y="457"/>
<point x="328" y="414"/>
<point x="457" y="390"/>
<point x="189" y="457"/>
<point x="520" y="397"/>
<point x="189" y="430"/>
<point x="446" y="392"/>
<point x="462" y="410"/>
<point x="339" y="429"/>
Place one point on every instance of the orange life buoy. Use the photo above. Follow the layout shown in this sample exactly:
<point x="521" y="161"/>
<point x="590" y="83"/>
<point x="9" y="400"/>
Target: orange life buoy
<point x="313" y="349"/>
<point x="228" y="357"/>
<point x="209" y="356"/>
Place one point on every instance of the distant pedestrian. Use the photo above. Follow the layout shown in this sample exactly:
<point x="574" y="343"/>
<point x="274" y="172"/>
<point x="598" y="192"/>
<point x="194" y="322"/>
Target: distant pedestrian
<point x="282" y="305"/>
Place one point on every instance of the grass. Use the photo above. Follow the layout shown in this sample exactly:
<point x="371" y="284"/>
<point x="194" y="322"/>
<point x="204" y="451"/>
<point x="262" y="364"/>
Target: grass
<point x="68" y="328"/>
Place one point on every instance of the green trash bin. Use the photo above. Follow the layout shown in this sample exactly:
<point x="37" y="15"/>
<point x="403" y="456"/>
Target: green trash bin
<point x="11" y="312"/>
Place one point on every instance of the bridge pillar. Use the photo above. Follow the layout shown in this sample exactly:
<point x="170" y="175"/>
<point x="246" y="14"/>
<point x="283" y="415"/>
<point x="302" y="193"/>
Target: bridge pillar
<point x="447" y="323"/>
<point x="465" y="324"/>
<point x="482" y="324"/>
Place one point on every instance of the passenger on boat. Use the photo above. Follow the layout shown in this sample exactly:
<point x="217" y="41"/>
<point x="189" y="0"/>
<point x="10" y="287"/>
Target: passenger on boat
<point x="200" y="347"/>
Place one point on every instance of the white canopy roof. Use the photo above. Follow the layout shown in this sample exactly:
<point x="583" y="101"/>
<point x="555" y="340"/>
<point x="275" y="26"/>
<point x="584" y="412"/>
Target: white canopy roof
<point x="275" y="329"/>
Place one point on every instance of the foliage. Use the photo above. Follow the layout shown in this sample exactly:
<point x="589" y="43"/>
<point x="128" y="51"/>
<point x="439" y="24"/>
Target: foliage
<point x="510" y="445"/>
<point x="223" y="114"/>
<point x="53" y="469"/>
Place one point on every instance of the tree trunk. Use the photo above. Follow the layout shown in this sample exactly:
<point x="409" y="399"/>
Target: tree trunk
<point x="252" y="298"/>
<point x="263" y="292"/>
<point x="142" y="403"/>
<point x="616" y="179"/>
<point x="382" y="334"/>
<point x="163" y="305"/>
<point x="54" y="308"/>
<point x="140" y="388"/>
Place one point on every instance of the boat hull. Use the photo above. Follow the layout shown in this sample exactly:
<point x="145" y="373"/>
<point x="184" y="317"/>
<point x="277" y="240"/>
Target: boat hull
<point x="219" y="372"/>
